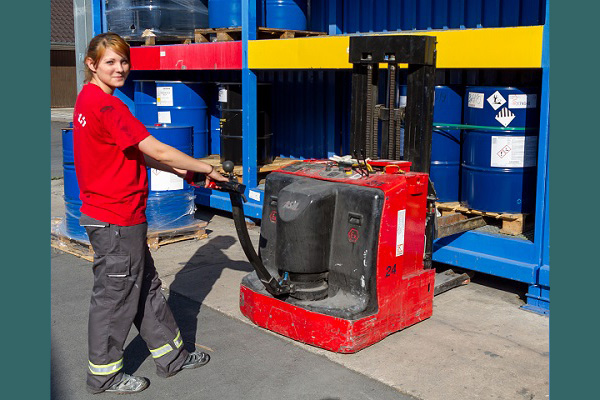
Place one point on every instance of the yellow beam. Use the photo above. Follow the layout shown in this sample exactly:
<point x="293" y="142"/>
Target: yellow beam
<point x="519" y="47"/>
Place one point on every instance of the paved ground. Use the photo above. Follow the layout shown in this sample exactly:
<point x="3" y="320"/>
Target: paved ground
<point x="479" y="344"/>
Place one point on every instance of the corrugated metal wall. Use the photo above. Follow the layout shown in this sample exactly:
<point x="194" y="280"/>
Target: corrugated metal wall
<point x="360" y="16"/>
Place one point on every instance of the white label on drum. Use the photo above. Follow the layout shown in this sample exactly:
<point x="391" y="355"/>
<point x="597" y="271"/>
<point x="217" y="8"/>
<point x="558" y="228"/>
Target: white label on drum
<point x="400" y="233"/>
<point x="254" y="195"/>
<point x="402" y="101"/>
<point x="164" y="117"/>
<point x="475" y="100"/>
<point x="164" y="96"/>
<point x="522" y="100"/>
<point x="496" y="100"/>
<point x="513" y="152"/>
<point x="161" y="181"/>
<point x="222" y="95"/>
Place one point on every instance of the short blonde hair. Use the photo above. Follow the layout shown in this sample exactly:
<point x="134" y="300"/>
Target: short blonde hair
<point x="98" y="46"/>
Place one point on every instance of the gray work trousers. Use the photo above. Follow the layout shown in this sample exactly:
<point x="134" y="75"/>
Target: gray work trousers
<point x="126" y="290"/>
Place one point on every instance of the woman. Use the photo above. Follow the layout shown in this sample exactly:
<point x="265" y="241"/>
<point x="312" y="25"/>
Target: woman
<point x="112" y="150"/>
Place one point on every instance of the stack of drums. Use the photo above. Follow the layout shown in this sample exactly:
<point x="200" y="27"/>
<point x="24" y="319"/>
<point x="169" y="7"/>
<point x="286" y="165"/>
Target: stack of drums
<point x="175" y="103"/>
<point x="499" y="165"/>
<point x="72" y="201"/>
<point x="277" y="14"/>
<point x="171" y="199"/>
<point x="445" y="143"/>
<point x="230" y="100"/>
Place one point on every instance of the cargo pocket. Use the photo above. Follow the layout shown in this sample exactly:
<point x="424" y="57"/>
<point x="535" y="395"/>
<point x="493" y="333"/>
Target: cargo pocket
<point x="118" y="271"/>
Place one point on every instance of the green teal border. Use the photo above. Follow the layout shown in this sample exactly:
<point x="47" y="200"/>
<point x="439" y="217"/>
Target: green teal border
<point x="574" y="238"/>
<point x="26" y="200"/>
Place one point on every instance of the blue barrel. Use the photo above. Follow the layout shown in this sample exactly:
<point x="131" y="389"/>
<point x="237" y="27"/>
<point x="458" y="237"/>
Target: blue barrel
<point x="224" y="13"/>
<point x="286" y="14"/>
<point x="499" y="166"/>
<point x="445" y="143"/>
<point x="71" y="196"/>
<point x="144" y="98"/>
<point x="184" y="104"/>
<point x="170" y="200"/>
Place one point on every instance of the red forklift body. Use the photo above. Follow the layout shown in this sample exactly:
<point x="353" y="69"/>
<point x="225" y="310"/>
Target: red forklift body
<point x="352" y="243"/>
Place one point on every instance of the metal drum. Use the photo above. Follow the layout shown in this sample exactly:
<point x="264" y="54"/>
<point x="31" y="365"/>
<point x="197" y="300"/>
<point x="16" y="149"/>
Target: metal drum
<point x="286" y="14"/>
<point x="224" y="13"/>
<point x="72" y="201"/>
<point x="171" y="199"/>
<point x="230" y="99"/>
<point x="499" y="164"/>
<point x="184" y="104"/>
<point x="445" y="143"/>
<point x="144" y="98"/>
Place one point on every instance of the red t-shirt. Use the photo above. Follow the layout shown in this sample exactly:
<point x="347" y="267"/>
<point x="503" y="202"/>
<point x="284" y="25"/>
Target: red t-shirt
<point x="110" y="168"/>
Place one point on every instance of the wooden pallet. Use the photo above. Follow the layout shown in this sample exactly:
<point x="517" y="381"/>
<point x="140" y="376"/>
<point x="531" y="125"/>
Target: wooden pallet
<point x="150" y="39"/>
<point x="155" y="239"/>
<point x="235" y="33"/>
<point x="510" y="224"/>
<point x="59" y="240"/>
<point x="263" y="170"/>
<point x="197" y="231"/>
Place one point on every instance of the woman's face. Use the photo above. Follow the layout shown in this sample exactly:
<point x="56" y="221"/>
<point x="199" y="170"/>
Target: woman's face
<point x="111" y="71"/>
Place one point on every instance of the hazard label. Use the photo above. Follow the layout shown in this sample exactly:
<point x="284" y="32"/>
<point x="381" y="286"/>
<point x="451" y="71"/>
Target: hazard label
<point x="505" y="117"/>
<point x="522" y="101"/>
<point x="496" y="100"/>
<point x="475" y="100"/>
<point x="164" y="96"/>
<point x="513" y="151"/>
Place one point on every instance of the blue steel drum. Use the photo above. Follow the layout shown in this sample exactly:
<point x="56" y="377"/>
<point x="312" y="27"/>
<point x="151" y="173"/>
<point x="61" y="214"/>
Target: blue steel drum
<point x="224" y="13"/>
<point x="144" y="98"/>
<point x="499" y="167"/>
<point x="71" y="196"/>
<point x="170" y="200"/>
<point x="185" y="104"/>
<point x="445" y="143"/>
<point x="286" y="14"/>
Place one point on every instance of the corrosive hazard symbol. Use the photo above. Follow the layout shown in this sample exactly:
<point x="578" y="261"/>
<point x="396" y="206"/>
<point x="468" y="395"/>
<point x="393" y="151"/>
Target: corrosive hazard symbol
<point x="503" y="151"/>
<point x="505" y="117"/>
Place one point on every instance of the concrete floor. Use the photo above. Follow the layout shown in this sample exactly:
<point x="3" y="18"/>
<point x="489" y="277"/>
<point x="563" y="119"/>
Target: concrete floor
<point x="478" y="344"/>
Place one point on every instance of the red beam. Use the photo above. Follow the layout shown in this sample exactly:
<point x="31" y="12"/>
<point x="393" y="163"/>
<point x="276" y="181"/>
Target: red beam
<point x="197" y="56"/>
<point x="145" y="58"/>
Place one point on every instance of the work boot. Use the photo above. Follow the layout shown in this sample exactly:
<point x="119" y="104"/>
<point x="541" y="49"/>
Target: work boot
<point x="193" y="360"/>
<point x="128" y="384"/>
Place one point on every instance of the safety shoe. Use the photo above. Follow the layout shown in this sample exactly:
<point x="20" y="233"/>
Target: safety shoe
<point x="195" y="360"/>
<point x="128" y="384"/>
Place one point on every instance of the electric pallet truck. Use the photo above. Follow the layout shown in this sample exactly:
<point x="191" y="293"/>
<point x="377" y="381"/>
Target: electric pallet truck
<point x="345" y="250"/>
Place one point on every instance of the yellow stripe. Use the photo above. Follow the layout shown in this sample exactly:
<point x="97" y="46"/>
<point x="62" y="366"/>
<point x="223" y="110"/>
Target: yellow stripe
<point x="161" y="351"/>
<point x="519" y="47"/>
<point x="177" y="341"/>
<point x="109" y="368"/>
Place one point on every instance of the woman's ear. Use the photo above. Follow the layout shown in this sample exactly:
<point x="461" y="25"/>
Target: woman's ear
<point x="90" y="64"/>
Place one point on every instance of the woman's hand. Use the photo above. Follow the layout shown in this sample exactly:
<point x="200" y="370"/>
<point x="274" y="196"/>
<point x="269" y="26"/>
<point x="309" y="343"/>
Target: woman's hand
<point x="216" y="176"/>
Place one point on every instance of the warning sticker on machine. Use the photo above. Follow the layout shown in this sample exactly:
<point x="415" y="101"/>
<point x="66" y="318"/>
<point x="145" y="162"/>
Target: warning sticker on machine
<point x="400" y="233"/>
<point x="254" y="195"/>
<point x="522" y="100"/>
<point x="496" y="100"/>
<point x="164" y="117"/>
<point x="222" y="95"/>
<point x="513" y="152"/>
<point x="164" y="96"/>
<point x="161" y="181"/>
<point x="475" y="100"/>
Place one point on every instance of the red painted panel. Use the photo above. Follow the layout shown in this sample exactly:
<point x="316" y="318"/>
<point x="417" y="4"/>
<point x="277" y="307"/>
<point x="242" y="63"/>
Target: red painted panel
<point x="145" y="58"/>
<point x="198" y="56"/>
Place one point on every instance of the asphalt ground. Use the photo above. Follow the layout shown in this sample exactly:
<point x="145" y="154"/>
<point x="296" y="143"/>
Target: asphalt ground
<point x="245" y="362"/>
